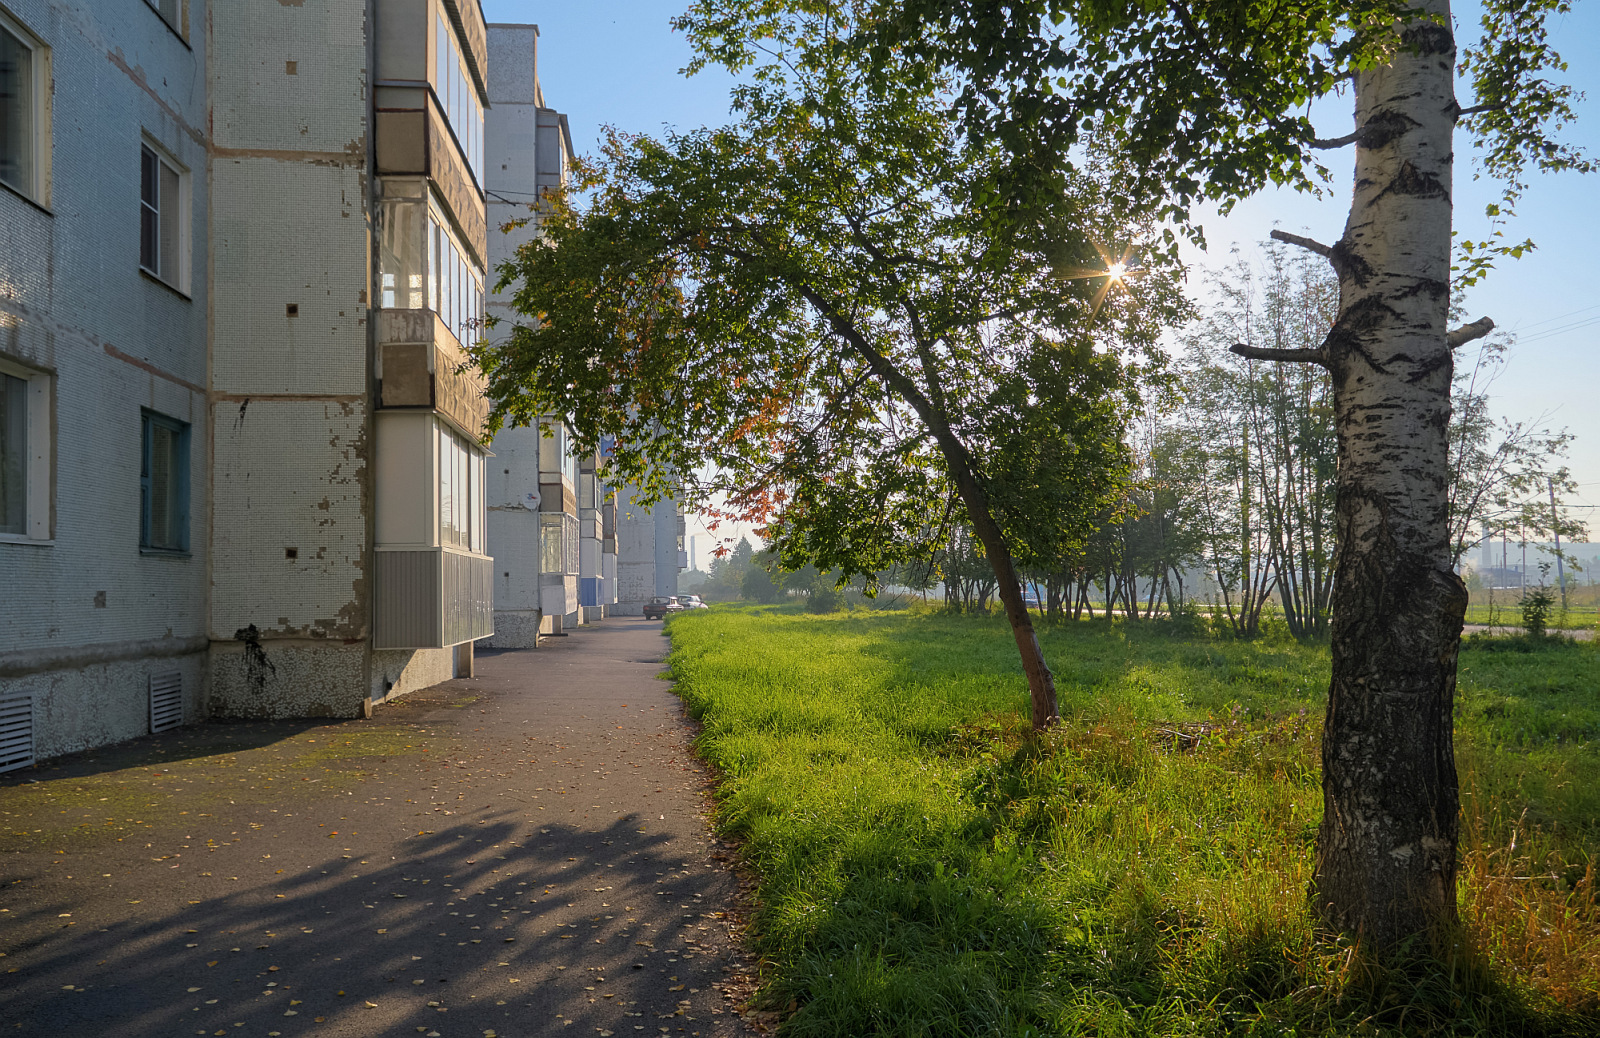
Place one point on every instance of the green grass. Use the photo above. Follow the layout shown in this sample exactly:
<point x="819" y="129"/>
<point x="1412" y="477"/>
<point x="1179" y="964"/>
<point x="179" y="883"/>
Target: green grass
<point x="926" y="868"/>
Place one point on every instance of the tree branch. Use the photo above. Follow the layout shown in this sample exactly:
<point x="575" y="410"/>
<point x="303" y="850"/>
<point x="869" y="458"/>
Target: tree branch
<point x="1462" y="113"/>
<point x="1317" y="356"/>
<point x="1467" y="332"/>
<point x="1331" y="143"/>
<point x="1310" y="244"/>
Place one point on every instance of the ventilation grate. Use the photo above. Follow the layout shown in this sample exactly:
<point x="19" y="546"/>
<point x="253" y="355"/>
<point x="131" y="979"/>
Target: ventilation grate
<point x="16" y="730"/>
<point x="166" y="701"/>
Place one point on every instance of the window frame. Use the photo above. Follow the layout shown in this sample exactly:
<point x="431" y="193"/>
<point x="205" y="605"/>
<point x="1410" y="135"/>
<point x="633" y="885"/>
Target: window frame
<point x="38" y="136"/>
<point x="38" y="524"/>
<point x="148" y="421"/>
<point x="558" y="544"/>
<point x="451" y="279"/>
<point x="467" y="464"/>
<point x="463" y="112"/>
<point x="176" y="279"/>
<point x="180" y="12"/>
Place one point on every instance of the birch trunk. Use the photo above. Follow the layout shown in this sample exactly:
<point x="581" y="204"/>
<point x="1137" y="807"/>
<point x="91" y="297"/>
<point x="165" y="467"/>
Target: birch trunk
<point x="1386" y="852"/>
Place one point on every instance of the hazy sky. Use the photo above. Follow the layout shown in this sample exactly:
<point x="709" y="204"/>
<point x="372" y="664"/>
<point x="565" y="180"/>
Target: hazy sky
<point x="617" y="62"/>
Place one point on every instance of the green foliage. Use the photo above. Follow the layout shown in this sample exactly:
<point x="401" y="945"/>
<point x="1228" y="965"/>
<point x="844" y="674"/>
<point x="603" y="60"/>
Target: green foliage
<point x="824" y="596"/>
<point x="927" y="868"/>
<point x="823" y="319"/>
<point x="1210" y="101"/>
<point x="759" y="585"/>
<point x="1536" y="606"/>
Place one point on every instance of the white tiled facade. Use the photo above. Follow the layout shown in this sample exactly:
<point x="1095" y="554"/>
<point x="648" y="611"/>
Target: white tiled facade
<point x="87" y="616"/>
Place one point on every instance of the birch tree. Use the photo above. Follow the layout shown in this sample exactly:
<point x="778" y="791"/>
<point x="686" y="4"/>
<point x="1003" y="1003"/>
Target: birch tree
<point x="1213" y="102"/>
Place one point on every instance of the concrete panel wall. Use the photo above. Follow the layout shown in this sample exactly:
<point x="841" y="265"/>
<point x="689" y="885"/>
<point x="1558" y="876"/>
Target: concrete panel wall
<point x="287" y="678"/>
<point x="290" y="474"/>
<point x="292" y="495"/>
<point x="290" y="234"/>
<point x="290" y="78"/>
<point x="513" y="497"/>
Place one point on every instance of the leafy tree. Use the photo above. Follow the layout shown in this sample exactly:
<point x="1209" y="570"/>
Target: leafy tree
<point x="1270" y="429"/>
<point x="760" y="583"/>
<point x="828" y="314"/>
<point x="1212" y="102"/>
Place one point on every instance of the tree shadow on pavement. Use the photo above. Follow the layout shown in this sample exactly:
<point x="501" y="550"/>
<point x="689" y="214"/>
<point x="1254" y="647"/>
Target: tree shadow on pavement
<point x="497" y="922"/>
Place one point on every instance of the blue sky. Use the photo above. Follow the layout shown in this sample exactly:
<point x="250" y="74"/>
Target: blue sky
<point x="617" y="62"/>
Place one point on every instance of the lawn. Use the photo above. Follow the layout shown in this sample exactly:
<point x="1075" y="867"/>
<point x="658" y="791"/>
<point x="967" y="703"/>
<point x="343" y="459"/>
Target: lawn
<point x="926" y="868"/>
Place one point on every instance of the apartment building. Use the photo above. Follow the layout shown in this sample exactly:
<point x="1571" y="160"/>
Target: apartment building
<point x="547" y="505"/>
<point x="241" y="246"/>
<point x="650" y="551"/>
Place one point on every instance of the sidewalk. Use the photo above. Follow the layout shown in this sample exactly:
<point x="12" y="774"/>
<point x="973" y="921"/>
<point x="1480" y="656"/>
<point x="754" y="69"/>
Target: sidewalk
<point x="520" y="853"/>
<point x="1582" y="634"/>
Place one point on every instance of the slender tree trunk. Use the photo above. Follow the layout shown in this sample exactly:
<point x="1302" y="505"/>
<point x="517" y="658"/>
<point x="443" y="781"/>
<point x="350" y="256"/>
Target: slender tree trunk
<point x="1041" y="683"/>
<point x="1386" y="852"/>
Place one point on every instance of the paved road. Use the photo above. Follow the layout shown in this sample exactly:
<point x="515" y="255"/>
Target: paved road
<point x="521" y="853"/>
<point x="1582" y="634"/>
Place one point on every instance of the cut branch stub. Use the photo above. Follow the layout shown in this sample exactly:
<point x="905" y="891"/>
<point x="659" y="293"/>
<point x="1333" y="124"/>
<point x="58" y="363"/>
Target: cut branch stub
<point x="1311" y="244"/>
<point x="1467" y="332"/>
<point x="1316" y="356"/>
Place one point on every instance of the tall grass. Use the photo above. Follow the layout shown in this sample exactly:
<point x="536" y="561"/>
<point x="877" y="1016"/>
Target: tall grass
<point x="927" y="867"/>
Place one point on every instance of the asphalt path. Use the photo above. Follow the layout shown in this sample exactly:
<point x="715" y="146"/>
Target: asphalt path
<point x="521" y="853"/>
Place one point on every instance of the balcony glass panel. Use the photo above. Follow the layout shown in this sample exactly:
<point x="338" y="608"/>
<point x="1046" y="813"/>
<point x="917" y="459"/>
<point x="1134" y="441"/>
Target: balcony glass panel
<point x="457" y="95"/>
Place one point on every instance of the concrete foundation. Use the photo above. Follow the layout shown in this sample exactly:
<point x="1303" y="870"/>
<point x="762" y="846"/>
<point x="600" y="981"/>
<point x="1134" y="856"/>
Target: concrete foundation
<point x="514" y="629"/>
<point x="63" y="720"/>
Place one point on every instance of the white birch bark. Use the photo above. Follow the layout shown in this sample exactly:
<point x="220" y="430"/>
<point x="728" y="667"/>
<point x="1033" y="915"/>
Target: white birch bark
<point x="1386" y="856"/>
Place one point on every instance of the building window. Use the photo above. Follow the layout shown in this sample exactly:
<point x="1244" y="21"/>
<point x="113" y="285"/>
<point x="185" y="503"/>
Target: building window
<point x="558" y="544"/>
<point x="403" y="229"/>
<point x="24" y="454"/>
<point x="458" y="96"/>
<point x="171" y="12"/>
<point x="164" y="484"/>
<point x="22" y="96"/>
<point x="421" y="265"/>
<point x="162" y="227"/>
<point x="455" y="288"/>
<point x="13" y="455"/>
<point x="462" y="515"/>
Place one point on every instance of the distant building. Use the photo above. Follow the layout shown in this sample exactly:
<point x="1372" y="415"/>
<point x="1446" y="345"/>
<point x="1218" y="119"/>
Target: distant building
<point x="650" y="552"/>
<point x="547" y="507"/>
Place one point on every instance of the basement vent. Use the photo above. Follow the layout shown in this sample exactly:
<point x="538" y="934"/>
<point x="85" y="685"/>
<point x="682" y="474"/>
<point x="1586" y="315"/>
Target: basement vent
<point x="16" y="730"/>
<point x="166" y="701"/>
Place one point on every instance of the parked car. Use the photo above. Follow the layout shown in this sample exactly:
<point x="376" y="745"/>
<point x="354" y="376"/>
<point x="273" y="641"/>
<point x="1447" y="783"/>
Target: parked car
<point x="692" y="602"/>
<point x="657" y="608"/>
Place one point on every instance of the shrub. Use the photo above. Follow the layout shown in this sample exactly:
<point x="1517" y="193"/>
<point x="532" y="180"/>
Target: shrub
<point x="1536" y="606"/>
